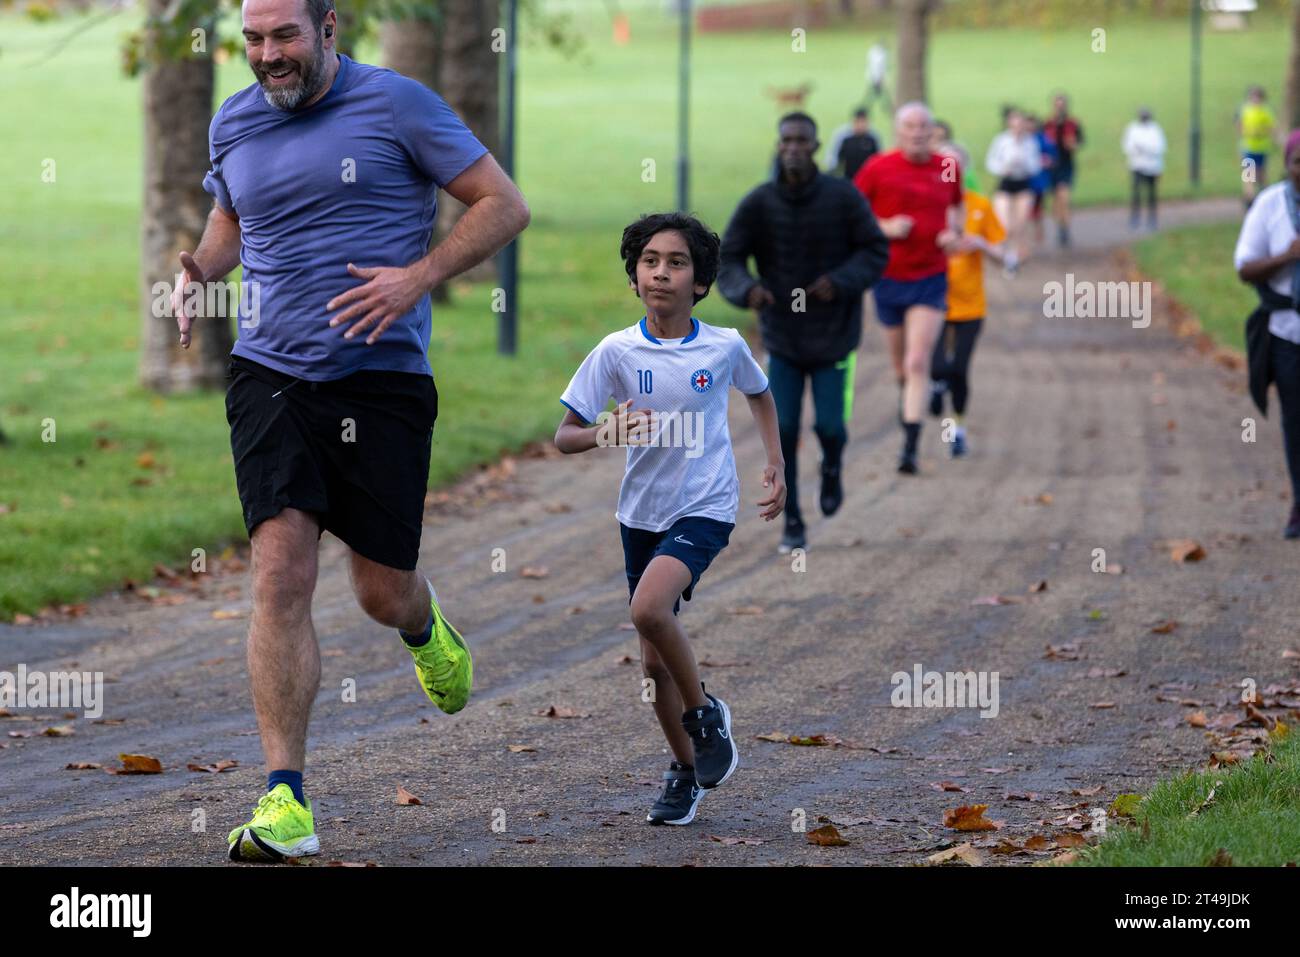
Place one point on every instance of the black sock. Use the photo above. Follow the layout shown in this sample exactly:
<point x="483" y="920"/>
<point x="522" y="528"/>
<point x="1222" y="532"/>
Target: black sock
<point x="415" y="641"/>
<point x="912" y="431"/>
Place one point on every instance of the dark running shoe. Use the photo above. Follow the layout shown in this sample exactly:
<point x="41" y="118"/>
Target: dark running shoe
<point x="907" y="463"/>
<point x="680" y="798"/>
<point x="709" y="728"/>
<point x="793" y="537"/>
<point x="832" y="493"/>
<point x="1293" y="526"/>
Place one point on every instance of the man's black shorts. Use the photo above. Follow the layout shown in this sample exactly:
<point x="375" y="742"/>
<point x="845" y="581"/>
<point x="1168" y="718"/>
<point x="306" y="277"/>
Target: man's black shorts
<point x="354" y="451"/>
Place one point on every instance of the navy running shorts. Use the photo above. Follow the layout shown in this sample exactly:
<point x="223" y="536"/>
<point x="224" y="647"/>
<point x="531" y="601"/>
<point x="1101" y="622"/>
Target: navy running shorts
<point x="895" y="296"/>
<point x="694" y="541"/>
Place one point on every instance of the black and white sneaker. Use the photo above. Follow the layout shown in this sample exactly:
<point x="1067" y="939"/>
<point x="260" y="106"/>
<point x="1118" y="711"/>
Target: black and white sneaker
<point x="793" y="537"/>
<point x="832" y="490"/>
<point x="716" y="756"/>
<point x="680" y="798"/>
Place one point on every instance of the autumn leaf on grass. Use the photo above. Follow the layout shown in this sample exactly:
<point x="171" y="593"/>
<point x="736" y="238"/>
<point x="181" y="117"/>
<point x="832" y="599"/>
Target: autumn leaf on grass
<point x="1037" y="843"/>
<point x="554" y="712"/>
<point x="1186" y="550"/>
<point x="732" y="841"/>
<point x="962" y="853"/>
<point x="1125" y="805"/>
<point x="225" y="764"/>
<point x="827" y="836"/>
<point x="969" y="818"/>
<point x="137" y="764"/>
<point x="406" y="797"/>
<point x="1070" y="839"/>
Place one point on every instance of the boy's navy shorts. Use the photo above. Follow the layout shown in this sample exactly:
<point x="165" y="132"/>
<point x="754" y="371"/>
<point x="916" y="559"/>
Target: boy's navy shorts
<point x="694" y="541"/>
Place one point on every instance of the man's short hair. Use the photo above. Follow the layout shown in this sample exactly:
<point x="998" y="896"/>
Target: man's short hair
<point x="797" y="117"/>
<point x="317" y="9"/>
<point x="704" y="244"/>
<point x="910" y="107"/>
<point x="860" y="113"/>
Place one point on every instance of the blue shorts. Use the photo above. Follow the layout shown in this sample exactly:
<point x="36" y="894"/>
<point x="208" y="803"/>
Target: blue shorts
<point x="1257" y="160"/>
<point x="895" y="296"/>
<point x="1061" y="175"/>
<point x="694" y="541"/>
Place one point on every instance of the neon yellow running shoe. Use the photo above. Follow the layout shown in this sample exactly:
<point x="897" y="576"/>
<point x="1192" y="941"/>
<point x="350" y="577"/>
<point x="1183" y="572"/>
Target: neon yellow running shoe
<point x="443" y="663"/>
<point x="280" y="828"/>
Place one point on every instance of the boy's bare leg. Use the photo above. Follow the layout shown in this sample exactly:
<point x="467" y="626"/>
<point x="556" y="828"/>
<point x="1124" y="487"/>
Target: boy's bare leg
<point x="667" y="704"/>
<point x="652" y="613"/>
<point x="283" y="657"/>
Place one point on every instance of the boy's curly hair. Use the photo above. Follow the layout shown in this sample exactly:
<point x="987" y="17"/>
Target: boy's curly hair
<point x="703" y="243"/>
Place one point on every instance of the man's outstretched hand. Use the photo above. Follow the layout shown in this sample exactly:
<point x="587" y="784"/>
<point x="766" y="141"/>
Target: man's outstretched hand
<point x="190" y="272"/>
<point x="388" y="293"/>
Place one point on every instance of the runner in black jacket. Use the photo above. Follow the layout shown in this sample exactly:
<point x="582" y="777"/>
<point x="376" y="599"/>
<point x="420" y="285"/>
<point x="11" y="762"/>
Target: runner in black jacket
<point x="817" y="249"/>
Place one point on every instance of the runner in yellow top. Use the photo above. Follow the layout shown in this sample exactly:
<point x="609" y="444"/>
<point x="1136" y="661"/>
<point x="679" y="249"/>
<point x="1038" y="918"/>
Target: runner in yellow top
<point x="1256" y="124"/>
<point x="950" y="365"/>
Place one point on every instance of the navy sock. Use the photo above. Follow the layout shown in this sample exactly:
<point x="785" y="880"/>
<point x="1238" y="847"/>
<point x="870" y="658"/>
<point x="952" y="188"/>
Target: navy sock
<point x="912" y="434"/>
<point x="291" y="778"/>
<point x="415" y="641"/>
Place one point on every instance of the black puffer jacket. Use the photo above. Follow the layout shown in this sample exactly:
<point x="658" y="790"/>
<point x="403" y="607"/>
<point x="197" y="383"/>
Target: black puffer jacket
<point x="795" y="235"/>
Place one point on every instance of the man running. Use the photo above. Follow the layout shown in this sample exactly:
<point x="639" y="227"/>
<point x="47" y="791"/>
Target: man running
<point x="1256" y="125"/>
<point x="851" y="146"/>
<point x="325" y="175"/>
<point x="1066" y="134"/>
<point x="817" y="248"/>
<point x="917" y="196"/>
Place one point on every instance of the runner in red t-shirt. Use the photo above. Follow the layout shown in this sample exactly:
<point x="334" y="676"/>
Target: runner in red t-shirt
<point x="916" y="196"/>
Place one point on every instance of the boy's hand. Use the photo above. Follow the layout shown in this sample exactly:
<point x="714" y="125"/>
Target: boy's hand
<point x="637" y="427"/>
<point x="774" y="479"/>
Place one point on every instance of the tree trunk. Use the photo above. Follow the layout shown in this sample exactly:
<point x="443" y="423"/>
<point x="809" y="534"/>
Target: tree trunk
<point x="1293" y="71"/>
<point x="345" y="36"/>
<point x="177" y="111"/>
<point x="912" y="39"/>
<point x="469" y="84"/>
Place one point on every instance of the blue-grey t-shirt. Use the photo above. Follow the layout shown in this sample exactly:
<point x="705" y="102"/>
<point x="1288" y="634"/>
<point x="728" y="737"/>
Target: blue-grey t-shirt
<point x="353" y="178"/>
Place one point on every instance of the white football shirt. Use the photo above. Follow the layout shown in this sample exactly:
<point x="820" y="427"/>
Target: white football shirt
<point x="688" y="467"/>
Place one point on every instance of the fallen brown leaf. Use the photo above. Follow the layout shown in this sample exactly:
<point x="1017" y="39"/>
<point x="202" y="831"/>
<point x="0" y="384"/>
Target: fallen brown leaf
<point x="827" y="836"/>
<point x="968" y="818"/>
<point x="137" y="764"/>
<point x="964" y="853"/>
<point x="405" y="797"/>
<point x="1186" y="550"/>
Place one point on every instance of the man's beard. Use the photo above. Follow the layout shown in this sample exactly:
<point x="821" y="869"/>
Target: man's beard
<point x="311" y="78"/>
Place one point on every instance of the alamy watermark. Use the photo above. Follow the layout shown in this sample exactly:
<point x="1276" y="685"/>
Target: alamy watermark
<point x="53" y="689"/>
<point x="224" y="299"/>
<point x="947" y="689"/>
<point x="675" y="429"/>
<point x="1084" y="299"/>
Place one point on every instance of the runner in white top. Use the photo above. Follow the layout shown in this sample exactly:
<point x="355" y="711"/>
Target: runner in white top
<point x="677" y="505"/>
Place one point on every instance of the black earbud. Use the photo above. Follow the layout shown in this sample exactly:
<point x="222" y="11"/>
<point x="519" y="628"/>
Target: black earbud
<point x="329" y="31"/>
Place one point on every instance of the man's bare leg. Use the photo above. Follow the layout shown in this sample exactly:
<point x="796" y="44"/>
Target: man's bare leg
<point x="283" y="657"/>
<point x="393" y="597"/>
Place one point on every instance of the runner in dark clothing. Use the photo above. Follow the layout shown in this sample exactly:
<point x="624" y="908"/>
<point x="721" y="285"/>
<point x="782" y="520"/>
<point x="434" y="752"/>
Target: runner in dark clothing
<point x="851" y="146"/>
<point x="1066" y="135"/>
<point x="817" y="248"/>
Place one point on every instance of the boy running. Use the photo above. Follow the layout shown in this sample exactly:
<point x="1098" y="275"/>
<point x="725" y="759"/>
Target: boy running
<point x="677" y="505"/>
<point x="950" y="366"/>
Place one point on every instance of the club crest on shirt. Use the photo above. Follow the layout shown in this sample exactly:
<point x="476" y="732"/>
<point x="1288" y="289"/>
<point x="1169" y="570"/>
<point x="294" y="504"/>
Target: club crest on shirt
<point x="701" y="380"/>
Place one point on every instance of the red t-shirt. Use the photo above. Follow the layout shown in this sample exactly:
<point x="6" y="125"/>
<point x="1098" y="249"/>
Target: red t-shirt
<point x="893" y="184"/>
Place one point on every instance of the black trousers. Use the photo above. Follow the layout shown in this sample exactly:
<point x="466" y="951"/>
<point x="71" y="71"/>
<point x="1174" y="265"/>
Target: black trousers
<point x="955" y="370"/>
<point x="1284" y="358"/>
<point x="1143" y="182"/>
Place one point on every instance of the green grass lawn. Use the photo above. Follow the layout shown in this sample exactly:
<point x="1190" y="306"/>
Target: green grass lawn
<point x="1194" y="264"/>
<point x="82" y="513"/>
<point x="1254" y="817"/>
